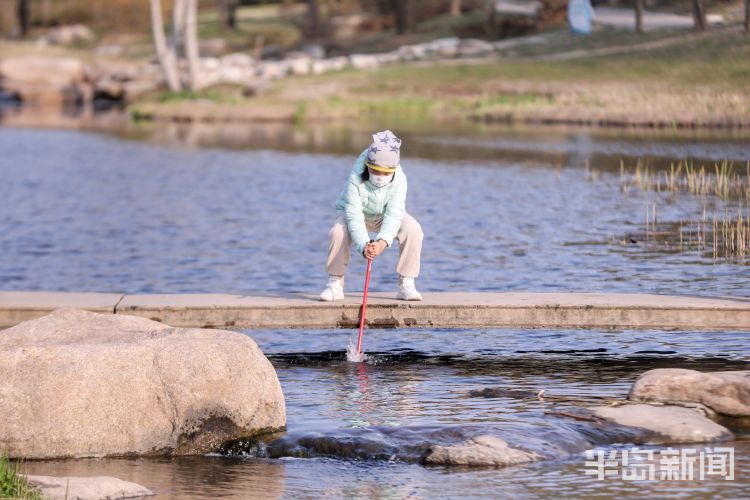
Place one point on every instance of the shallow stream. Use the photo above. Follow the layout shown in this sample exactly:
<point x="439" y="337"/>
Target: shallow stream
<point x="173" y="209"/>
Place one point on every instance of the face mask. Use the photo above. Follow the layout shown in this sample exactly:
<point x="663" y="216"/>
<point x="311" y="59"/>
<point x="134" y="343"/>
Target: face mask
<point x="380" y="180"/>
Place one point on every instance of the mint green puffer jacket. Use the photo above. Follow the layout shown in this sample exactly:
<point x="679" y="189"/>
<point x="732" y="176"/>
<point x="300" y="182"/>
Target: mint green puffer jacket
<point x="362" y="201"/>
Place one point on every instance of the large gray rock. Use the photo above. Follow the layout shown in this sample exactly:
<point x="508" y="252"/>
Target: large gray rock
<point x="87" y="488"/>
<point x="727" y="393"/>
<point x="673" y="424"/>
<point x="480" y="451"/>
<point x="77" y="383"/>
<point x="44" y="80"/>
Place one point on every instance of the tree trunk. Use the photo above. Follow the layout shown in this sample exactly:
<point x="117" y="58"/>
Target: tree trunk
<point x="228" y="13"/>
<point x="191" y="43"/>
<point x="179" y="16"/>
<point x="491" y="15"/>
<point x="22" y="13"/>
<point x="401" y="15"/>
<point x="639" y="16"/>
<point x="699" y="15"/>
<point x="166" y="56"/>
<point x="747" y="16"/>
<point x="313" y="18"/>
<point x="455" y="7"/>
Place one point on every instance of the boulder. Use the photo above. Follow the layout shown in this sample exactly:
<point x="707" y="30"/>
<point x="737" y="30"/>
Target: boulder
<point x="81" y="384"/>
<point x="300" y="65"/>
<point x="471" y="47"/>
<point x="87" y="488"/>
<point x="363" y="61"/>
<point x="69" y="35"/>
<point x="238" y="59"/>
<point x="273" y="70"/>
<point x="44" y="80"/>
<point x="673" y="424"/>
<point x="479" y="451"/>
<point x="727" y="393"/>
<point x="212" y="47"/>
<point x="332" y="64"/>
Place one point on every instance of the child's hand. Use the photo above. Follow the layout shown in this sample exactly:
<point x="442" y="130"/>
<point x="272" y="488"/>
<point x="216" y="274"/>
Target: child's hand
<point x="372" y="250"/>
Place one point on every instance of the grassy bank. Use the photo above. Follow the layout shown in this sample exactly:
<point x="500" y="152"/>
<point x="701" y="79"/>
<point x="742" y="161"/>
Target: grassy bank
<point x="677" y="79"/>
<point x="13" y="484"/>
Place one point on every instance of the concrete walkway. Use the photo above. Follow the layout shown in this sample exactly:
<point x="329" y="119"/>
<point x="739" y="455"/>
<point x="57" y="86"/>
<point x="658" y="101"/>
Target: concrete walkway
<point x="437" y="310"/>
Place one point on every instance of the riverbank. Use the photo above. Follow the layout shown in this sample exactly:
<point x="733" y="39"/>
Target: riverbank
<point x="669" y="80"/>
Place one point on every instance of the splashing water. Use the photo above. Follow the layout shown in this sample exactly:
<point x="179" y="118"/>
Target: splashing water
<point x="352" y="355"/>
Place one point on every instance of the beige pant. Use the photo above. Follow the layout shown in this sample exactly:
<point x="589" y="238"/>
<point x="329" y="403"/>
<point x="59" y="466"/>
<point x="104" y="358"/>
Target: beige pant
<point x="409" y="246"/>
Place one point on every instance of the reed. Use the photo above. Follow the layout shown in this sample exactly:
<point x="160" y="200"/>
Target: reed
<point x="722" y="235"/>
<point x="723" y="182"/>
<point x="13" y="484"/>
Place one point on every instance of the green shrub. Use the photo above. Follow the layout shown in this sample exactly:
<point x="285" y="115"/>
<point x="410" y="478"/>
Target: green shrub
<point x="13" y="484"/>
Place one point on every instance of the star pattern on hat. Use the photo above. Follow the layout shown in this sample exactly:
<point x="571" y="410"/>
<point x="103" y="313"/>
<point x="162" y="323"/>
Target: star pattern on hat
<point x="374" y="149"/>
<point x="385" y="138"/>
<point x="395" y="149"/>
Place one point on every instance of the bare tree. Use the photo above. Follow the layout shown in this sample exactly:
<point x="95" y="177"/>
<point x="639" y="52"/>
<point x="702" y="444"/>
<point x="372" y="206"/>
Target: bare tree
<point x="166" y="55"/>
<point x="23" y="16"/>
<point x="455" y="7"/>
<point x="177" y="40"/>
<point x="228" y="13"/>
<point x="401" y="11"/>
<point x="699" y="15"/>
<point x="191" y="42"/>
<point x="639" y="16"/>
<point x="313" y="18"/>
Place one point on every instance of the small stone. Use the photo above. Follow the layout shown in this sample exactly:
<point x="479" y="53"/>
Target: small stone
<point x="480" y="451"/>
<point x="674" y="424"/>
<point x="87" y="488"/>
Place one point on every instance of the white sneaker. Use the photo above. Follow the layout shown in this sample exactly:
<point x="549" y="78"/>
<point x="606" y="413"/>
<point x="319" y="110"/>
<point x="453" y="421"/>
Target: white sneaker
<point x="334" y="289"/>
<point x="407" y="290"/>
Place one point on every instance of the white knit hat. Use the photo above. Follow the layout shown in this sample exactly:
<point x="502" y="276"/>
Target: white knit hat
<point x="385" y="152"/>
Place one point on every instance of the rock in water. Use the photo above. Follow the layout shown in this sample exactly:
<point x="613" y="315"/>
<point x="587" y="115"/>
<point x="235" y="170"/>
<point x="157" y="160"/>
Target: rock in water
<point x="727" y="393"/>
<point x="480" y="451"/>
<point x="87" y="488"/>
<point x="77" y="384"/>
<point x="674" y="424"/>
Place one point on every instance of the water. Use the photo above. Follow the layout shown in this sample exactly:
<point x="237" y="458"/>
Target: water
<point x="247" y="209"/>
<point x="97" y="213"/>
<point x="356" y="430"/>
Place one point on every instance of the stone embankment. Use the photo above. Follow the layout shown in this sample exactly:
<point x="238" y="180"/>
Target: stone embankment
<point x="65" y="80"/>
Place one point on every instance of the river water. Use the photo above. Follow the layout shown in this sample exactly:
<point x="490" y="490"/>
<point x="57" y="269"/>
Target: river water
<point x="247" y="209"/>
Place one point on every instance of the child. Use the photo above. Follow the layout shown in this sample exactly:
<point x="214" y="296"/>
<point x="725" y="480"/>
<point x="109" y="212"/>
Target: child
<point x="374" y="200"/>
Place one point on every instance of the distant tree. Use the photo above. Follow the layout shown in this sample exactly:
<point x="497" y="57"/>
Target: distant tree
<point x="228" y="13"/>
<point x="23" y="15"/>
<point x="165" y="53"/>
<point x="191" y="42"/>
<point x="639" y="16"/>
<point x="401" y="14"/>
<point x="313" y="18"/>
<point x="456" y="7"/>
<point x="699" y="15"/>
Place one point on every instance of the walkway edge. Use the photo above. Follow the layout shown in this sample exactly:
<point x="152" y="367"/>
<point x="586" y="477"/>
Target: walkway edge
<point x="438" y="310"/>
